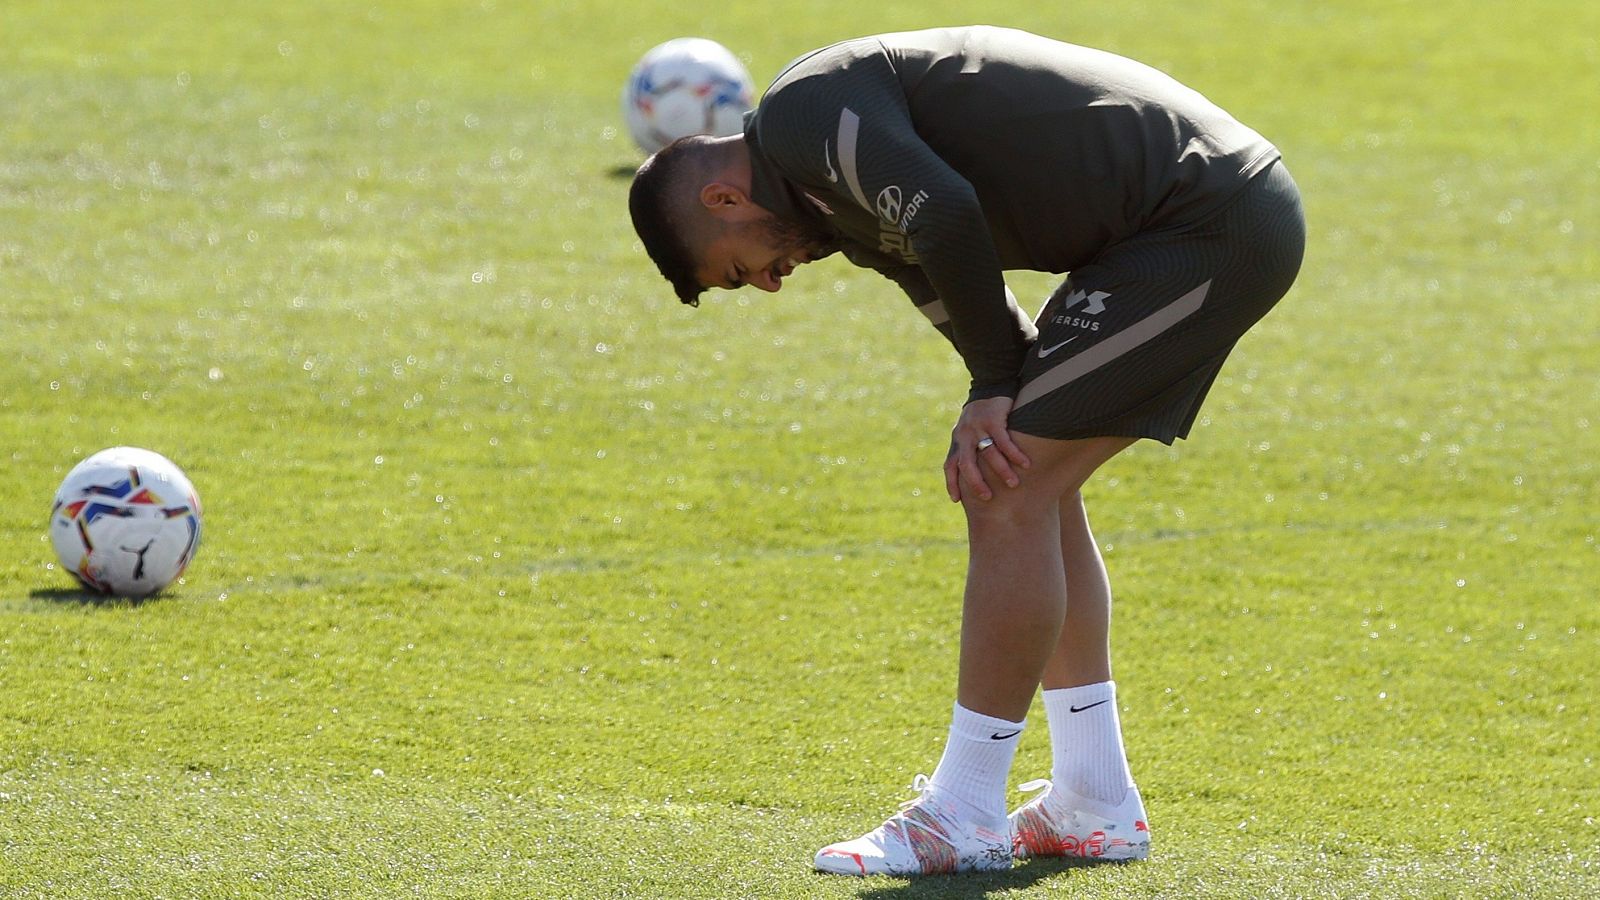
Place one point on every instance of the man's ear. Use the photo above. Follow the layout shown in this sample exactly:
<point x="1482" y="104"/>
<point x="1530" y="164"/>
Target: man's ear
<point x="721" y="197"/>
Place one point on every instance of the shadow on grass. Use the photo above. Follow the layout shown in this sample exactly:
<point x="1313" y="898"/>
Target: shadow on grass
<point x="977" y="885"/>
<point x="77" y="596"/>
<point x="623" y="171"/>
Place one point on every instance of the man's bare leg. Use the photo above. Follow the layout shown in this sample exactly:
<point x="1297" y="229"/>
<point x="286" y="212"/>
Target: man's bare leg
<point x="1015" y="603"/>
<point x="1091" y="786"/>
<point x="1019" y="580"/>
<point x="1083" y="652"/>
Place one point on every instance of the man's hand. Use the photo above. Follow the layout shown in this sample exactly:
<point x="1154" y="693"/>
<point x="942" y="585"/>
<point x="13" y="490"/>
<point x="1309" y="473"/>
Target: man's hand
<point x="982" y="422"/>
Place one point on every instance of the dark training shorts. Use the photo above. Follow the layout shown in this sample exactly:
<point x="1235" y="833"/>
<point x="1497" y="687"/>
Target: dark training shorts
<point x="1130" y="343"/>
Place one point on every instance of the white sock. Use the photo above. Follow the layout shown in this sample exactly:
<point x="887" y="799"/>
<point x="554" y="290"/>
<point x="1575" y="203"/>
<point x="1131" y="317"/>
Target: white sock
<point x="1086" y="752"/>
<point x="977" y="759"/>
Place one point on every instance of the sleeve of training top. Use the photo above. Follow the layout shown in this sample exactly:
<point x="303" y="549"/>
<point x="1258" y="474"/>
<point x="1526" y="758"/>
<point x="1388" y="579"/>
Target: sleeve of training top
<point x="850" y="106"/>
<point x="911" y="280"/>
<point x="923" y="297"/>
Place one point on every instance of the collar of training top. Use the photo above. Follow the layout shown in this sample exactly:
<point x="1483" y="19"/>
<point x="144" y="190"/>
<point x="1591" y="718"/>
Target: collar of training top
<point x="776" y="194"/>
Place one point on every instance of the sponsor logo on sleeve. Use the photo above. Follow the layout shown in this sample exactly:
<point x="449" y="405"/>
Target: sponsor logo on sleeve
<point x="895" y="215"/>
<point x="896" y="211"/>
<point x="889" y="204"/>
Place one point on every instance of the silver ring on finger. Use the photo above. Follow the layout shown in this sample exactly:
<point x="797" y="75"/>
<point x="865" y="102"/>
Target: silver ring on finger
<point x="985" y="443"/>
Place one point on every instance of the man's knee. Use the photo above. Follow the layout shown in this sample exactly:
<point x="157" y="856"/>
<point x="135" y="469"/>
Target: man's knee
<point x="1028" y="505"/>
<point x="1060" y="468"/>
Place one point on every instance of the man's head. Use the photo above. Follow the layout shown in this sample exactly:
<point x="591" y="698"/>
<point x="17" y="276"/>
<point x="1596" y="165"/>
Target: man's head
<point x="692" y="209"/>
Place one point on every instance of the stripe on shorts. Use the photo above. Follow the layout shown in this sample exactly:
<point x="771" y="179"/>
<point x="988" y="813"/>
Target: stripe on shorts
<point x="1124" y="341"/>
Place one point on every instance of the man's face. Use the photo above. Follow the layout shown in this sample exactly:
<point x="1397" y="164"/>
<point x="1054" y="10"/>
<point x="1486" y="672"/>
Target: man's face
<point x="761" y="251"/>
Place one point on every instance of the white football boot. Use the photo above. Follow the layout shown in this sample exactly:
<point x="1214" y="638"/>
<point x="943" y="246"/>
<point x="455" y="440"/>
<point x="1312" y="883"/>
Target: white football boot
<point x="1058" y="822"/>
<point x="931" y="835"/>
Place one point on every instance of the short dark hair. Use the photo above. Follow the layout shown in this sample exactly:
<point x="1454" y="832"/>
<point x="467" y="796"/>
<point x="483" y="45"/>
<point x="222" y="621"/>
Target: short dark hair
<point x="656" y="203"/>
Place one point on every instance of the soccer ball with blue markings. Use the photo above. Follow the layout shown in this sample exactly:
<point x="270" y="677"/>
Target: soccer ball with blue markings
<point x="126" y="521"/>
<point x="686" y="86"/>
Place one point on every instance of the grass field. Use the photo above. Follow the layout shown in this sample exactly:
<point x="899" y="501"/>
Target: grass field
<point x="521" y="580"/>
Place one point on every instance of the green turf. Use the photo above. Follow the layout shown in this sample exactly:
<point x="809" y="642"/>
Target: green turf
<point x="520" y="580"/>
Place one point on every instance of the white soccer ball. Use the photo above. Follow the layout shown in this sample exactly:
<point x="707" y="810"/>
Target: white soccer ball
<point x="126" y="522"/>
<point x="686" y="86"/>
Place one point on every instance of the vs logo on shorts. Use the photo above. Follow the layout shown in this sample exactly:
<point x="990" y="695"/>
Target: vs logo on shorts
<point x="1096" y="302"/>
<point x="1095" y="306"/>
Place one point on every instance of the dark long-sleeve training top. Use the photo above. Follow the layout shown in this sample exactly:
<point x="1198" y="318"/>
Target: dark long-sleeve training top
<point x="943" y="157"/>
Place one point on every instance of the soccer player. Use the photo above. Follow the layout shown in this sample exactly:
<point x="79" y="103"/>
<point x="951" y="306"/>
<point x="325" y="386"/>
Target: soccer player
<point x="942" y="158"/>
